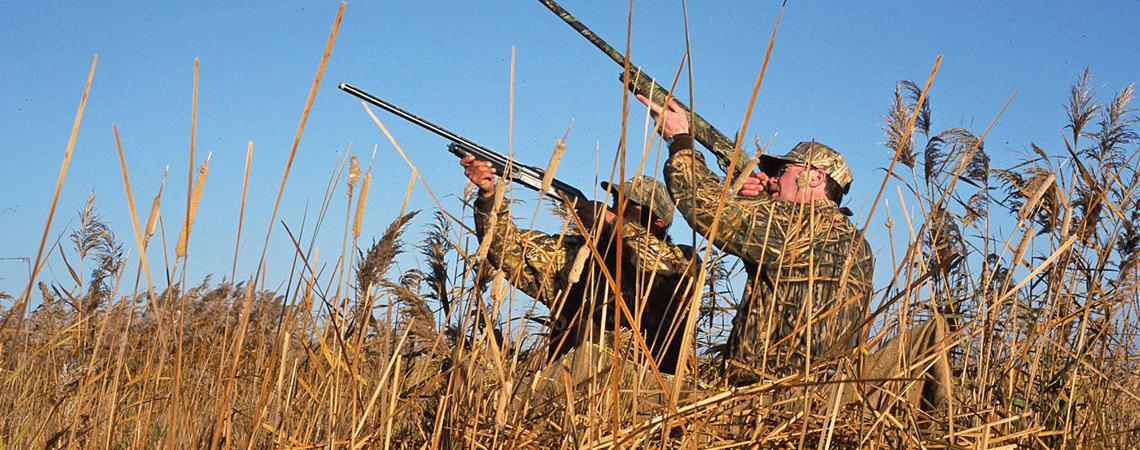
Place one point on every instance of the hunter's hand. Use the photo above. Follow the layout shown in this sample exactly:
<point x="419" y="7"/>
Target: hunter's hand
<point x="481" y="174"/>
<point x="756" y="183"/>
<point x="673" y="119"/>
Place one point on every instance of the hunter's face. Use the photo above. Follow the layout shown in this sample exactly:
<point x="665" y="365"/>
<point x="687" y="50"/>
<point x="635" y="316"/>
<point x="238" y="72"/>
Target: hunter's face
<point x="786" y="185"/>
<point x="633" y="214"/>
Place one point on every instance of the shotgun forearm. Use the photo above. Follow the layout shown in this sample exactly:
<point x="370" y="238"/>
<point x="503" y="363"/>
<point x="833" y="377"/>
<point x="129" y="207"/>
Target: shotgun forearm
<point x="640" y="83"/>
<point x="717" y="143"/>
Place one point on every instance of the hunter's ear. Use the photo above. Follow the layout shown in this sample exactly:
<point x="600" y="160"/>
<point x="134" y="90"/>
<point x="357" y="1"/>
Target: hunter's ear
<point x="818" y="178"/>
<point x="659" y="222"/>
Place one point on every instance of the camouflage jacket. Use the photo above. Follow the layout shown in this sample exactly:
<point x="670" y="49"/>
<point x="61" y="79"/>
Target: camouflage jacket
<point x="655" y="281"/>
<point x="794" y="255"/>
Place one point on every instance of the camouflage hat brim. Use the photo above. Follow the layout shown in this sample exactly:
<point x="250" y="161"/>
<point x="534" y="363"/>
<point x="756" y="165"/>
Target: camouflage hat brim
<point x="774" y="160"/>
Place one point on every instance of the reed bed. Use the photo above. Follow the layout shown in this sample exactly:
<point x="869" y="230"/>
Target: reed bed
<point x="1041" y="336"/>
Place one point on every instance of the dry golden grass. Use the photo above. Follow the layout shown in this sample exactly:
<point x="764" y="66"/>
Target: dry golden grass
<point x="1042" y="332"/>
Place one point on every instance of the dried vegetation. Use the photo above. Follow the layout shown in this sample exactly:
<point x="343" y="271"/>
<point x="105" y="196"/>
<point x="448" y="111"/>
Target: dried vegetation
<point x="1035" y="266"/>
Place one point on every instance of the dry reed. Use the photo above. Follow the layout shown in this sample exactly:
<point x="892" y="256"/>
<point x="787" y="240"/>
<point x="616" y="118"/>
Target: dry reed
<point x="1041" y="339"/>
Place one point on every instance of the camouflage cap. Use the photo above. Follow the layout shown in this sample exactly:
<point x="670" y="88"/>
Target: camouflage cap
<point x="822" y="157"/>
<point x="648" y="192"/>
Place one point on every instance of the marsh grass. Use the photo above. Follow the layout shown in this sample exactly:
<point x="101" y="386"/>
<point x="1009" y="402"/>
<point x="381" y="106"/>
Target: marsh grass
<point x="1042" y="336"/>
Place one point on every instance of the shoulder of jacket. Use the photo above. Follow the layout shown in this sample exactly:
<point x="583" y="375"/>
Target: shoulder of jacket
<point x="687" y="250"/>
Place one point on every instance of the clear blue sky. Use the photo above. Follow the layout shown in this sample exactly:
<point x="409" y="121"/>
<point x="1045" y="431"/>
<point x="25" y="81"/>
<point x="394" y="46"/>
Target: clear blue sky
<point x="831" y="77"/>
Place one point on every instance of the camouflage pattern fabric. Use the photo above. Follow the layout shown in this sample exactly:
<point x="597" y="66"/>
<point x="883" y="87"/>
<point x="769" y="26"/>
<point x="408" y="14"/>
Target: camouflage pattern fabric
<point x="794" y="256"/>
<point x="656" y="280"/>
<point x="645" y="190"/>
<point x="920" y="358"/>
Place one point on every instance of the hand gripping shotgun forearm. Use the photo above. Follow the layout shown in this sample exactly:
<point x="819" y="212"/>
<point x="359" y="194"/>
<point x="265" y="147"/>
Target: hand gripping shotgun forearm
<point x="640" y="83"/>
<point x="529" y="176"/>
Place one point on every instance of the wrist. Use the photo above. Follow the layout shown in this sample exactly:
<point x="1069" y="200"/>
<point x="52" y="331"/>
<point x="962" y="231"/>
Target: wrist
<point x="483" y="202"/>
<point x="680" y="141"/>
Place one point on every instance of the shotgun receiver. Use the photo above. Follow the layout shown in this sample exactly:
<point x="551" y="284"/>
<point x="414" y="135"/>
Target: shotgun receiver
<point x="529" y="176"/>
<point x="640" y="83"/>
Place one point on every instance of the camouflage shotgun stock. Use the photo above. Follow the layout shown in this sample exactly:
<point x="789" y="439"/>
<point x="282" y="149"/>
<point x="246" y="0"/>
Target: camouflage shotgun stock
<point x="529" y="176"/>
<point x="640" y="83"/>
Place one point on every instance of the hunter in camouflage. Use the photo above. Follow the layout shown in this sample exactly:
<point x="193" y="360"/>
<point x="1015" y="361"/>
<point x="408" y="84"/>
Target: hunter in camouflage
<point x="562" y="272"/>
<point x="809" y="271"/>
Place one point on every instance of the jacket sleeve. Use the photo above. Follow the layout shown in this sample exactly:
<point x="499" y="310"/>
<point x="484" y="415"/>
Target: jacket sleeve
<point x="533" y="261"/>
<point x="651" y="255"/>
<point x="746" y="227"/>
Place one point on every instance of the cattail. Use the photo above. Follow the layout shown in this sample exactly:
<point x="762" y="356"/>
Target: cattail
<point x="353" y="174"/>
<point x="195" y="199"/>
<point x="1044" y="184"/>
<point x="559" y="148"/>
<point x="499" y="286"/>
<point x="360" y="204"/>
<point x="152" y="219"/>
<point x="501" y="407"/>
<point x="743" y="175"/>
<point x="548" y="177"/>
<point x="492" y="222"/>
<point x="577" y="266"/>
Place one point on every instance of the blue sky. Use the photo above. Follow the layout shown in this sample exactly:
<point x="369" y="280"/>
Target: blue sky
<point x="831" y="77"/>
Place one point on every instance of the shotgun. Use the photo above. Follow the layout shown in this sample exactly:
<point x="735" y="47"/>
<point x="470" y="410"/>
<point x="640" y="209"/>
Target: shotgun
<point x="640" y="83"/>
<point x="529" y="176"/>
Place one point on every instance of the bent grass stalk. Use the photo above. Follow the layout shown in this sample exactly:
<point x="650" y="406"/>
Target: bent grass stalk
<point x="241" y="209"/>
<point x="21" y="301"/>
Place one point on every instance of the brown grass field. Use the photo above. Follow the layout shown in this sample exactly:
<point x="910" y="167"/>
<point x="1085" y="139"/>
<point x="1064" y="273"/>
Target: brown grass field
<point x="1042" y="325"/>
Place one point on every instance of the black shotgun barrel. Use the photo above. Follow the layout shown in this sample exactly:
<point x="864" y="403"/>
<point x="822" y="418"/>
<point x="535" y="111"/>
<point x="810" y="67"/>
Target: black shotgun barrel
<point x="529" y="176"/>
